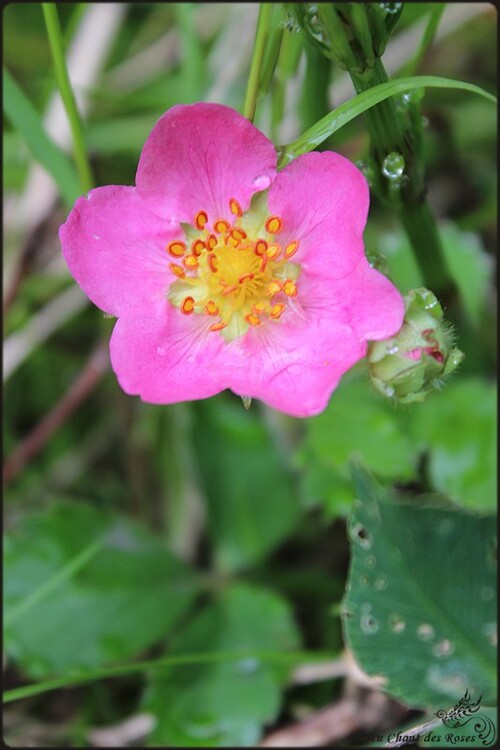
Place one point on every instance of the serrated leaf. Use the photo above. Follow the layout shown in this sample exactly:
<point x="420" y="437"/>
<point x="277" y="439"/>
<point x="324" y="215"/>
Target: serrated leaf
<point x="419" y="609"/>
<point x="126" y="596"/>
<point x="224" y="704"/>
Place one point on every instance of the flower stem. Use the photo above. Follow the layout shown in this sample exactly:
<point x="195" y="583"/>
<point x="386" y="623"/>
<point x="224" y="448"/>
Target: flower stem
<point x="56" y="45"/>
<point x="257" y="59"/>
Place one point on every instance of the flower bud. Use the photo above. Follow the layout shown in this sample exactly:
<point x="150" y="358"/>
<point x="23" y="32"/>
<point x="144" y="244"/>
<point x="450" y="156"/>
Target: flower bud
<point x="412" y="363"/>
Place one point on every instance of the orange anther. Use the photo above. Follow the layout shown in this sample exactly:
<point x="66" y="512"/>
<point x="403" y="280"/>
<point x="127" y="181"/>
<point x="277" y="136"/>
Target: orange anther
<point x="260" y="247"/>
<point x="246" y="277"/>
<point x="221" y="226"/>
<point x="259" y="308"/>
<point x="176" y="248"/>
<point x="291" y="249"/>
<point x="201" y="219"/>
<point x="211" y="262"/>
<point x="253" y="319"/>
<point x="178" y="270"/>
<point x="191" y="262"/>
<point x="235" y="207"/>
<point x="277" y="310"/>
<point x="273" y="251"/>
<point x="290" y="288"/>
<point x="238" y="233"/>
<point x="274" y="225"/>
<point x="197" y="247"/>
<point x="229" y="290"/>
<point x="217" y="326"/>
<point x="211" y="308"/>
<point x="187" y="306"/>
<point x="211" y="241"/>
<point x="274" y="287"/>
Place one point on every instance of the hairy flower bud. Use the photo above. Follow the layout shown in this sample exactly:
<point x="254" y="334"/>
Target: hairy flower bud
<point x="412" y="363"/>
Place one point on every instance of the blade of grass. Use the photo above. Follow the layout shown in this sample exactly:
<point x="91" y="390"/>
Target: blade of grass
<point x="360" y="103"/>
<point x="257" y="59"/>
<point x="28" y="123"/>
<point x="57" y="48"/>
<point x="412" y="65"/>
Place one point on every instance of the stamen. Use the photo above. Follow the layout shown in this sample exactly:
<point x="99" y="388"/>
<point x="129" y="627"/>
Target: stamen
<point x="291" y="249"/>
<point x="263" y="263"/>
<point x="221" y="226"/>
<point x="191" y="262"/>
<point x="239" y="234"/>
<point x="211" y="262"/>
<point x="273" y="251"/>
<point x="211" y="308"/>
<point x="253" y="319"/>
<point x="277" y="310"/>
<point x="235" y="207"/>
<point x="217" y="326"/>
<point x="201" y="219"/>
<point x="274" y="287"/>
<point x="290" y="288"/>
<point x="176" y="248"/>
<point x="197" y="247"/>
<point x="211" y="241"/>
<point x="187" y="306"/>
<point x="246" y="277"/>
<point x="274" y="225"/>
<point x="260" y="247"/>
<point x="259" y="308"/>
<point x="229" y="290"/>
<point x="178" y="270"/>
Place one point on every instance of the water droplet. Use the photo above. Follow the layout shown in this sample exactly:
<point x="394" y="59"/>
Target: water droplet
<point x="261" y="182"/>
<point x="389" y="391"/>
<point x="390" y="8"/>
<point x="443" y="648"/>
<point x="425" y="632"/>
<point x="96" y="236"/>
<point x="360" y="535"/>
<point x="487" y="594"/>
<point x="393" y="166"/>
<point x="370" y="561"/>
<point x="88" y="196"/>
<point x="393" y="349"/>
<point x="381" y="583"/>
<point x="396" y="623"/>
<point x="368" y="623"/>
<point x="446" y="680"/>
<point x="247" y="666"/>
<point x="364" y="580"/>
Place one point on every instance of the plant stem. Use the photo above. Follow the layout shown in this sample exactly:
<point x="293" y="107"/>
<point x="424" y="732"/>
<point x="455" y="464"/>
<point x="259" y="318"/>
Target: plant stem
<point x="257" y="59"/>
<point x="56" y="45"/>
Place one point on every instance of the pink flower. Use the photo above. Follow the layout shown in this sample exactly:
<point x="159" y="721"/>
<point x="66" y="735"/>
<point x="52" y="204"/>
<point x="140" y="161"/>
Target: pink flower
<point x="224" y="273"/>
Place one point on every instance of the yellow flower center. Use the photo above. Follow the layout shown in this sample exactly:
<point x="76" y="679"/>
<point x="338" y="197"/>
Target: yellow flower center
<point x="237" y="273"/>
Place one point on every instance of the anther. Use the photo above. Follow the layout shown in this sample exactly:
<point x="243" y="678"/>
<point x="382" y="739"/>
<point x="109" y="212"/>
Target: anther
<point x="291" y="249"/>
<point x="217" y="326"/>
<point x="211" y="241"/>
<point x="260" y="247"/>
<point x="178" y="270"/>
<point x="197" y="247"/>
<point x="277" y="310"/>
<point x="274" y="225"/>
<point x="191" y="262"/>
<point x="187" y="306"/>
<point x="211" y="262"/>
<point x="235" y="207"/>
<point x="274" y="287"/>
<point x="238" y="234"/>
<point x="211" y="308"/>
<point x="253" y="319"/>
<point x="201" y="219"/>
<point x="259" y="308"/>
<point x="221" y="226"/>
<point x="273" y="251"/>
<point x="246" y="277"/>
<point x="176" y="248"/>
<point x="290" y="288"/>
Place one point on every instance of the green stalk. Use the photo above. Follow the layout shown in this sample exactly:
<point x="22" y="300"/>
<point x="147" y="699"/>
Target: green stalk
<point x="57" y="48"/>
<point x="257" y="59"/>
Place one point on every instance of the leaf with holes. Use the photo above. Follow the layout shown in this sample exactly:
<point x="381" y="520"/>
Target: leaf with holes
<point x="420" y="608"/>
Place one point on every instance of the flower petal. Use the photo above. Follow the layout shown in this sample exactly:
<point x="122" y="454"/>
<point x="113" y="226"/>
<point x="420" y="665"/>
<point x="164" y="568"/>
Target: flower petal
<point x="323" y="200"/>
<point x="198" y="157"/>
<point x="167" y="357"/>
<point x="115" y="248"/>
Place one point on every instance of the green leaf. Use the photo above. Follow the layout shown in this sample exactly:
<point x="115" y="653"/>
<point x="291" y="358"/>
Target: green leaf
<point x="224" y="704"/>
<point x="357" y="421"/>
<point x="84" y="588"/>
<point x="27" y="121"/>
<point x="419" y="609"/>
<point x="458" y="429"/>
<point x="363" y="101"/>
<point x="251" y="501"/>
